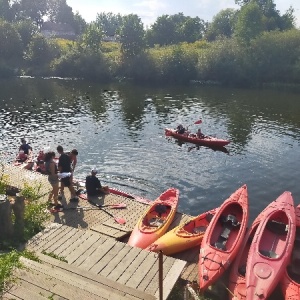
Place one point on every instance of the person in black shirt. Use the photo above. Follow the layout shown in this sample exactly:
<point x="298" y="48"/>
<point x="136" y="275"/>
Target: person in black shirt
<point x="25" y="147"/>
<point x="93" y="185"/>
<point x="64" y="166"/>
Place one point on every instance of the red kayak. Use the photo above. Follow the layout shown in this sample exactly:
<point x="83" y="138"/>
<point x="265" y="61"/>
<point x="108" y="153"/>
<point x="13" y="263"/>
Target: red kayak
<point x="237" y="279"/>
<point x="184" y="236"/>
<point x="156" y="220"/>
<point x="271" y="248"/>
<point x="223" y="237"/>
<point x="290" y="281"/>
<point x="192" y="138"/>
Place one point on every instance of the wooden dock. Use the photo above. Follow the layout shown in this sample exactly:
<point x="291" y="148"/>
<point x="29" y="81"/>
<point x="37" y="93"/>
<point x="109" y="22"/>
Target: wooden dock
<point x="99" y="264"/>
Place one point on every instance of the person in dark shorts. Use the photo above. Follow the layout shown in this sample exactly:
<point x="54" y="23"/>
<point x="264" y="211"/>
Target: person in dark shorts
<point x="64" y="166"/>
<point x="93" y="185"/>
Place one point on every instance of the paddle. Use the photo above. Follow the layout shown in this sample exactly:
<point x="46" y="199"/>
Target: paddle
<point x="112" y="206"/>
<point x="117" y="219"/>
<point x="195" y="123"/>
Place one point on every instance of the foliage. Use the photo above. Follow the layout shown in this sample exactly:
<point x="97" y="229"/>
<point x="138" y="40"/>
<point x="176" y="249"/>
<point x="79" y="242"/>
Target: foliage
<point x="174" y="29"/>
<point x="60" y="12"/>
<point x="110" y="23"/>
<point x="11" y="44"/>
<point x="8" y="263"/>
<point x="81" y="63"/>
<point x="3" y="180"/>
<point x="79" y="24"/>
<point x="31" y="193"/>
<point x="91" y="38"/>
<point x="53" y="255"/>
<point x="27" y="29"/>
<point x="132" y="36"/>
<point x="5" y="11"/>
<point x="222" y="25"/>
<point x="249" y="22"/>
<point x="35" y="218"/>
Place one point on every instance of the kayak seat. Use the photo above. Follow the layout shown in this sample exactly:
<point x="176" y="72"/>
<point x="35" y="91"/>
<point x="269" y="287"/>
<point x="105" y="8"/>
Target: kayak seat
<point x="223" y="237"/>
<point x="199" y="229"/>
<point x="230" y="220"/>
<point x="208" y="217"/>
<point x="277" y="227"/>
<point x="267" y="253"/>
<point x="242" y="269"/>
<point x="156" y="222"/>
<point x="161" y="209"/>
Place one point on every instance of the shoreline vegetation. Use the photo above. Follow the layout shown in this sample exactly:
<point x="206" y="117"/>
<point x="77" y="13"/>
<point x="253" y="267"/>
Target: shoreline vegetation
<point x="231" y="50"/>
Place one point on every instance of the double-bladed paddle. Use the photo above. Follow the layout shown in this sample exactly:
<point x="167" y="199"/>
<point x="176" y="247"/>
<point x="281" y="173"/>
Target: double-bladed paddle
<point x="117" y="219"/>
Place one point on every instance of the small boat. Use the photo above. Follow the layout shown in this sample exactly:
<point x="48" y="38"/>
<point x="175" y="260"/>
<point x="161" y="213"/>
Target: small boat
<point x="156" y="220"/>
<point x="192" y="138"/>
<point x="184" y="236"/>
<point x="290" y="281"/>
<point x="271" y="248"/>
<point x="223" y="237"/>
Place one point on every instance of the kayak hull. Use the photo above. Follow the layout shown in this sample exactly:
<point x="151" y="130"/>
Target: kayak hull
<point x="223" y="237"/>
<point x="156" y="220"/>
<point x="184" y="236"/>
<point x="206" y="141"/>
<point x="271" y="248"/>
<point x="290" y="281"/>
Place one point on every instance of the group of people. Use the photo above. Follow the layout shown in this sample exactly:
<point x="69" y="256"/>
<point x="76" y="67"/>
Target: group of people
<point x="182" y="130"/>
<point x="60" y="170"/>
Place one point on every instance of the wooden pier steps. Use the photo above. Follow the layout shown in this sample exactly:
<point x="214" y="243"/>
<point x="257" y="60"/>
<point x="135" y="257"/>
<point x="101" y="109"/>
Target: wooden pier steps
<point x="116" y="263"/>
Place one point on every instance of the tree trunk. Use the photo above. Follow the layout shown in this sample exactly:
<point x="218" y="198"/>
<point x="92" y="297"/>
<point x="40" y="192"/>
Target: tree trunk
<point x="6" y="226"/>
<point x="19" y="209"/>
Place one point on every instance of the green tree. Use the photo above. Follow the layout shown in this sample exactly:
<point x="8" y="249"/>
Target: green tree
<point x="221" y="25"/>
<point x="92" y="37"/>
<point x="109" y="22"/>
<point x="27" y="29"/>
<point x="132" y="36"/>
<point x="192" y="29"/>
<point x="79" y="24"/>
<point x="5" y="12"/>
<point x="60" y="12"/>
<point x="249" y="22"/>
<point x="11" y="44"/>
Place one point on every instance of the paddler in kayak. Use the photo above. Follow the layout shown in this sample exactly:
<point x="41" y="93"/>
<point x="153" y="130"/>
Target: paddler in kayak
<point x="199" y="134"/>
<point x="180" y="129"/>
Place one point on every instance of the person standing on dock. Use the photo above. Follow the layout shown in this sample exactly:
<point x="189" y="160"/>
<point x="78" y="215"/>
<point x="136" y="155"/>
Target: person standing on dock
<point x="64" y="166"/>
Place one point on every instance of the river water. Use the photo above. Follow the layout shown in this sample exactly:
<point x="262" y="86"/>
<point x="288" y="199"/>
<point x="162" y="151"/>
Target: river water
<point x="119" y="128"/>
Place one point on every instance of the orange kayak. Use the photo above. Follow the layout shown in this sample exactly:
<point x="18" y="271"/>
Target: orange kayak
<point x="223" y="237"/>
<point x="156" y="220"/>
<point x="184" y="236"/>
<point x="290" y="281"/>
<point x="271" y="248"/>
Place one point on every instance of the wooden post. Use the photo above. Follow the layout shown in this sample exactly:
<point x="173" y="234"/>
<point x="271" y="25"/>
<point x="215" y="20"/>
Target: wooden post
<point x="160" y="274"/>
<point x="6" y="226"/>
<point x="19" y="209"/>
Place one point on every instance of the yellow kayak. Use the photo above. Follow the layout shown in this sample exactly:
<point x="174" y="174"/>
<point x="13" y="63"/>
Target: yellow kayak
<point x="156" y="220"/>
<point x="184" y="236"/>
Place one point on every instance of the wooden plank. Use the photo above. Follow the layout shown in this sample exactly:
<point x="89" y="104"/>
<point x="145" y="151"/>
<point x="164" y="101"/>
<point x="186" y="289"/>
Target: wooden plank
<point x="126" y="262"/>
<point x="109" y="255"/>
<point x="9" y="296"/>
<point x="138" y="276"/>
<point x="98" y="254"/>
<point x="115" y="261"/>
<point x="62" y="249"/>
<point x="171" y="278"/>
<point x="76" y="243"/>
<point x="89" y="251"/>
<point x="64" y="284"/>
<point x="25" y="293"/>
<point x="117" y="226"/>
<point x="136" y="261"/>
<point x="92" y="238"/>
<point x="43" y="235"/>
<point x="100" y="280"/>
<point x="109" y="231"/>
<point x="53" y="238"/>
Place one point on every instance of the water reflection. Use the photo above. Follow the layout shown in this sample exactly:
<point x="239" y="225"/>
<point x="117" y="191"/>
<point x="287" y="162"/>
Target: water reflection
<point x="120" y="128"/>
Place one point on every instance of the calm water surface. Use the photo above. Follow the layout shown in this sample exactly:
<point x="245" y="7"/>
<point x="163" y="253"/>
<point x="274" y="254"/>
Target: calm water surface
<point x="120" y="129"/>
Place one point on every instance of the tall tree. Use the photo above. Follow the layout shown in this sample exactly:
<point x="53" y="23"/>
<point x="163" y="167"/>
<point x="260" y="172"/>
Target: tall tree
<point x="92" y="37"/>
<point x="60" y="12"/>
<point x="249" y="22"/>
<point x="109" y="22"/>
<point x="27" y="29"/>
<point x="221" y="25"/>
<point x="5" y="12"/>
<point x="79" y="24"/>
<point x="132" y="36"/>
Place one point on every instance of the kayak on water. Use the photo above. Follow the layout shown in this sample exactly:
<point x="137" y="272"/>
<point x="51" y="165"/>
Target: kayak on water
<point x="206" y="140"/>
